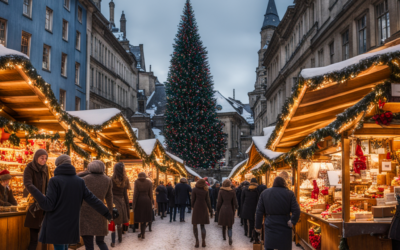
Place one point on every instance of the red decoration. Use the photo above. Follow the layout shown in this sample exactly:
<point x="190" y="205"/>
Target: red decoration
<point x="381" y="104"/>
<point x="315" y="192"/>
<point x="325" y="191"/>
<point x="359" y="163"/>
<point x="384" y="118"/>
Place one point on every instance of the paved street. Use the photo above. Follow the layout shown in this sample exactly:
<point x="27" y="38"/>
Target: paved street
<point x="178" y="235"/>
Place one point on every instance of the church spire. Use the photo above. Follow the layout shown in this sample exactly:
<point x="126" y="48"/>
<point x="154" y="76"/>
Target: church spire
<point x="271" y="16"/>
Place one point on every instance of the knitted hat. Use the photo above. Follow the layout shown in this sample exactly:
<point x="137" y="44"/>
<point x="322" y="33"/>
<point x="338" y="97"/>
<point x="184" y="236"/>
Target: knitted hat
<point x="142" y="175"/>
<point x="96" y="167"/>
<point x="183" y="180"/>
<point x="5" y="175"/>
<point x="253" y="180"/>
<point x="63" y="159"/>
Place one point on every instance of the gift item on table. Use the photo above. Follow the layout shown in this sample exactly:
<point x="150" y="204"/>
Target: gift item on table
<point x="383" y="211"/>
<point x="315" y="192"/>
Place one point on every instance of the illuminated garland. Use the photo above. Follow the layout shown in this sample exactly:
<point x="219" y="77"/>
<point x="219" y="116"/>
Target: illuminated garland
<point x="69" y="143"/>
<point x="341" y="76"/>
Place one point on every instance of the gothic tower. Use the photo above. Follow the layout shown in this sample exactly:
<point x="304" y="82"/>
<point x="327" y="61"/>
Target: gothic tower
<point x="112" y="8"/>
<point x="123" y="24"/>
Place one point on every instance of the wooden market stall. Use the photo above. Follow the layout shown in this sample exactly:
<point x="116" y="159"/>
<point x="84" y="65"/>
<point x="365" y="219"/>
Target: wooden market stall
<point x="338" y="134"/>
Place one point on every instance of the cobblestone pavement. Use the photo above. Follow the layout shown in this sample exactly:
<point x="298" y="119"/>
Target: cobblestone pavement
<point x="177" y="235"/>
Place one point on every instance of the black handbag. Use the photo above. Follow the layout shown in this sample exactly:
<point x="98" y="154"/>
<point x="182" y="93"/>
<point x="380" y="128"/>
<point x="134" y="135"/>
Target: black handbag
<point x="115" y="213"/>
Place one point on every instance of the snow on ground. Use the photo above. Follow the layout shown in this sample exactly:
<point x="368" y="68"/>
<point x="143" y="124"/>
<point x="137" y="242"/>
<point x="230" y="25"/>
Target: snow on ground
<point x="179" y="236"/>
<point x="95" y="116"/>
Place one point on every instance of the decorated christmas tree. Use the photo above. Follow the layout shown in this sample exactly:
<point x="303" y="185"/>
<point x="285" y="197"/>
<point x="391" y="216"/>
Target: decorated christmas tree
<point x="193" y="131"/>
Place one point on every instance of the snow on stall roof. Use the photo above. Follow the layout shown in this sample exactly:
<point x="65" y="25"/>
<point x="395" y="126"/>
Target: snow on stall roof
<point x="136" y="131"/>
<point x="176" y="158"/>
<point x="159" y="136"/>
<point x="192" y="172"/>
<point x="4" y="51"/>
<point x="148" y="145"/>
<point x="261" y="141"/>
<point x="95" y="116"/>
<point x="248" y="150"/>
<point x="310" y="73"/>
<point x="236" y="167"/>
<point x="259" y="165"/>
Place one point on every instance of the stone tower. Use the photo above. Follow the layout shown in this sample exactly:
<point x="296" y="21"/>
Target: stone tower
<point x="123" y="24"/>
<point x="98" y="4"/>
<point x="271" y="21"/>
<point x="112" y="8"/>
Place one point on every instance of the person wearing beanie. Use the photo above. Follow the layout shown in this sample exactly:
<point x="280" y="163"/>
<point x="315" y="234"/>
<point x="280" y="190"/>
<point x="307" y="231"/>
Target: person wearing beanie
<point x="226" y="206"/>
<point x="91" y="223"/>
<point x="249" y="201"/>
<point x="62" y="204"/>
<point x="36" y="175"/>
<point x="142" y="203"/>
<point x="201" y="206"/>
<point x="279" y="207"/>
<point x="182" y="195"/>
<point x="6" y="194"/>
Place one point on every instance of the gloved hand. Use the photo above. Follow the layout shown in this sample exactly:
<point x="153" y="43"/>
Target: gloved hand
<point x="290" y="224"/>
<point x="258" y="230"/>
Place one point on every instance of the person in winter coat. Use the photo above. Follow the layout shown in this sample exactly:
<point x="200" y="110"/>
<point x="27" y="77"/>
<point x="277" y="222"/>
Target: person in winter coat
<point x="215" y="195"/>
<point x="35" y="175"/>
<point x="201" y="206"/>
<point x="62" y="204"/>
<point x="249" y="201"/>
<point x="182" y="193"/>
<point x="91" y="223"/>
<point x="276" y="204"/>
<point x="226" y="206"/>
<point x="120" y="186"/>
<point x="171" y="200"/>
<point x="238" y="196"/>
<point x="244" y="185"/>
<point x="394" y="231"/>
<point x="6" y="194"/>
<point x="162" y="198"/>
<point x="142" y="202"/>
<point x="261" y="188"/>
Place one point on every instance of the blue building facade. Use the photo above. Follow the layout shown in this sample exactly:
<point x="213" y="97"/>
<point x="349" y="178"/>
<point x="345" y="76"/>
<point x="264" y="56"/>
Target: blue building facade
<point x="53" y="34"/>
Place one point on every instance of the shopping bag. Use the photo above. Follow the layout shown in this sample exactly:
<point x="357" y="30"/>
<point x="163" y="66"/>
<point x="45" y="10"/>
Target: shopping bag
<point x="111" y="226"/>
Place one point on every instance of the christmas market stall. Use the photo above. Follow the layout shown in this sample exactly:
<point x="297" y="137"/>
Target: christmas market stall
<point x="339" y="132"/>
<point x="235" y="172"/>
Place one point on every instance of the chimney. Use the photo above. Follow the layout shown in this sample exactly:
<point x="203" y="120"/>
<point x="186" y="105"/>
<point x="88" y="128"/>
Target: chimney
<point x="150" y="68"/>
<point x="123" y="24"/>
<point x="233" y="94"/>
<point x="112" y="7"/>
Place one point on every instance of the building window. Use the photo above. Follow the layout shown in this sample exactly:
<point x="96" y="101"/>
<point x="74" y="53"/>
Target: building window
<point x="78" y="40"/>
<point x="91" y="77"/>
<point x="332" y="52"/>
<point x="3" y="32"/>
<point x="49" y="19"/>
<point x="46" y="57"/>
<point x="27" y="8"/>
<point x="312" y="62"/>
<point x="321" y="58"/>
<point x="382" y="12"/>
<point x="25" y="43"/>
<point x="65" y="30"/>
<point x="77" y="73"/>
<point x="64" y="64"/>
<point x="80" y="14"/>
<point x="63" y="98"/>
<point x="77" y="103"/>
<point x="312" y="14"/>
<point x="345" y="46"/>
<point x="362" y="35"/>
<point x="66" y="4"/>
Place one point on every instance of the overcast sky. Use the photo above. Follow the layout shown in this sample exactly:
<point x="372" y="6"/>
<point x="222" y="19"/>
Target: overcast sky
<point x="230" y="29"/>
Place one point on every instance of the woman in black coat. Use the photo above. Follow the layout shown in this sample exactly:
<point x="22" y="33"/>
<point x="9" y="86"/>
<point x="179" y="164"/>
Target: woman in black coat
<point x="182" y="193"/>
<point x="162" y="199"/>
<point x="171" y="200"/>
<point x="249" y="201"/>
<point x="62" y="204"/>
<point x="276" y="204"/>
<point x="394" y="232"/>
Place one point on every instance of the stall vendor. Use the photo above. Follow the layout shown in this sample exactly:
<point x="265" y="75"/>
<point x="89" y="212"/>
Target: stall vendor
<point x="6" y="195"/>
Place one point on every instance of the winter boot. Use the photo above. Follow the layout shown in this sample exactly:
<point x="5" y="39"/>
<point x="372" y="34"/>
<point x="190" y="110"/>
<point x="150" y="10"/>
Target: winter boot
<point x="119" y="231"/>
<point x="230" y="236"/>
<point x="150" y="223"/>
<point x="224" y="232"/>
<point x="203" y="236"/>
<point x="196" y="235"/>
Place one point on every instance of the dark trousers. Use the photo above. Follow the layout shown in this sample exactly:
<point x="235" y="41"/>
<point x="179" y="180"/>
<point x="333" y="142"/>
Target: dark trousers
<point x="162" y="208"/>
<point x="34" y="238"/>
<point x="89" y="245"/>
<point x="172" y="210"/>
<point x="395" y="245"/>
<point x="250" y="228"/>
<point x="182" y="212"/>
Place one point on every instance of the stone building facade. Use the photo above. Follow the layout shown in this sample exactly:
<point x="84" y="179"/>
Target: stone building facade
<point x="316" y="33"/>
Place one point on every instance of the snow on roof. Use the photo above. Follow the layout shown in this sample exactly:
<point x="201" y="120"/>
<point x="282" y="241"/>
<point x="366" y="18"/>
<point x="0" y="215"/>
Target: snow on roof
<point x="310" y="73"/>
<point x="192" y="172"/>
<point x="248" y="150"/>
<point x="151" y="96"/>
<point x="119" y="35"/>
<point x="225" y="105"/>
<point x="176" y="158"/>
<point x="261" y="141"/>
<point x="235" y="168"/>
<point x="136" y="131"/>
<point x="148" y="145"/>
<point x="95" y="116"/>
<point x="151" y="112"/>
<point x="259" y="165"/>
<point x="159" y="136"/>
<point x="4" y="51"/>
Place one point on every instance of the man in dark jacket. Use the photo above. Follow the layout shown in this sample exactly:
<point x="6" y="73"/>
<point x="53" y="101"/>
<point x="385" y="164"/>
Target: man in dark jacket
<point x="62" y="204"/>
<point x="171" y="201"/>
<point x="215" y="193"/>
<point x="249" y="201"/>
<point x="261" y="188"/>
<point x="276" y="204"/>
<point x="162" y="199"/>
<point x="182" y="193"/>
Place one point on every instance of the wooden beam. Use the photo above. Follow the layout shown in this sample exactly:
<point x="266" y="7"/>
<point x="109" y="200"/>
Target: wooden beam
<point x="322" y="117"/>
<point x="282" y="150"/>
<point x="313" y="111"/>
<point x="18" y="99"/>
<point x="345" y="177"/>
<point x="304" y="132"/>
<point x="374" y="125"/>
<point x="378" y="132"/>
<point x="289" y="144"/>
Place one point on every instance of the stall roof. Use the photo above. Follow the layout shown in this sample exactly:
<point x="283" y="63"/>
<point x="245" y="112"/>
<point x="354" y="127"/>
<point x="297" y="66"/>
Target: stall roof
<point x="258" y="165"/>
<point x="148" y="145"/>
<point x="311" y="108"/>
<point x="192" y="172"/>
<point x="260" y="141"/>
<point x="95" y="116"/>
<point x="236" y="168"/>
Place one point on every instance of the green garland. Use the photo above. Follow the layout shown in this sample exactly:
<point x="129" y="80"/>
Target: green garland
<point x="69" y="143"/>
<point x="338" y="76"/>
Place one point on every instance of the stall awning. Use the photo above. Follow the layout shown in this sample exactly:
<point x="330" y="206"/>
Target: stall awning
<point x="237" y="168"/>
<point x="323" y="93"/>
